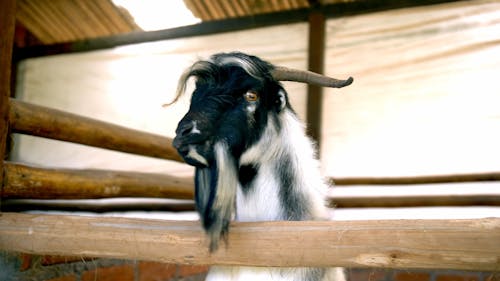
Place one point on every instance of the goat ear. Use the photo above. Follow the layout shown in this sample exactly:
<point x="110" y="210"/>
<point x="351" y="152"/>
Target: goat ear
<point x="281" y="100"/>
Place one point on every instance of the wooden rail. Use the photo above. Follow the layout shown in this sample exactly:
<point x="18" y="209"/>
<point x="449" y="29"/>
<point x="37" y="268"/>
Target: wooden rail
<point x="22" y="181"/>
<point x="100" y="205"/>
<point x="28" y="182"/>
<point x="424" y="179"/>
<point x="50" y="123"/>
<point x="376" y="201"/>
<point x="403" y="244"/>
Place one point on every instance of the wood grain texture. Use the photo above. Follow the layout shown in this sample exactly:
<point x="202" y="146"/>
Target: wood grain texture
<point x="421" y="179"/>
<point x="30" y="182"/>
<point x="7" y="25"/>
<point x="451" y="244"/>
<point x="431" y="200"/>
<point x="316" y="51"/>
<point x="45" y="122"/>
<point x="22" y="181"/>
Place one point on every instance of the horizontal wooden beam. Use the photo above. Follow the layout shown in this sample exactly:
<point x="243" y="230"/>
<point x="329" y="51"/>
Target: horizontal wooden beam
<point x="26" y="118"/>
<point x="99" y="205"/>
<point x="423" y="179"/>
<point x="23" y="181"/>
<point x="29" y="182"/>
<point x="402" y="244"/>
<point x="376" y="201"/>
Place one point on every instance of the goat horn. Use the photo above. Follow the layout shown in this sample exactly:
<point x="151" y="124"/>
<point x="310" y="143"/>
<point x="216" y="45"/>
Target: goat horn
<point x="281" y="73"/>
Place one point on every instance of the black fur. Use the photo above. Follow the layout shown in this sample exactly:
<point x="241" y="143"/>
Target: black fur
<point x="294" y="207"/>
<point x="246" y="174"/>
<point x="205" y="191"/>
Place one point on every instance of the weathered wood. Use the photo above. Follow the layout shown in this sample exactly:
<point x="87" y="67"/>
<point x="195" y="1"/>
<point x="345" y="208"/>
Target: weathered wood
<point x="22" y="181"/>
<point x="7" y="25"/>
<point x="316" y="50"/>
<point x="45" y="122"/>
<point x="28" y="182"/>
<point x="451" y="244"/>
<point x="384" y="201"/>
<point x="99" y="206"/>
<point x="423" y="179"/>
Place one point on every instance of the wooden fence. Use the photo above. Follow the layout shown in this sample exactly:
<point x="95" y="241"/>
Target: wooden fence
<point x="453" y="244"/>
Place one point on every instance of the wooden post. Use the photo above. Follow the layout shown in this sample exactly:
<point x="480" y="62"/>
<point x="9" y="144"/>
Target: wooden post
<point x="316" y="50"/>
<point x="402" y="244"/>
<point x="7" y="26"/>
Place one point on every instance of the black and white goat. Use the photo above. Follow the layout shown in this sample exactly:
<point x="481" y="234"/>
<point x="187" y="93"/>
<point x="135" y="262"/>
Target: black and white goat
<point x="253" y="160"/>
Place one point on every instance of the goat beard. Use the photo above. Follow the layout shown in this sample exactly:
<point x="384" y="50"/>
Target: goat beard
<point x="215" y="194"/>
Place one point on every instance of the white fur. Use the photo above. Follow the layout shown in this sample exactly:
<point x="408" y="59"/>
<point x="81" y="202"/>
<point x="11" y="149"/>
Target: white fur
<point x="228" y="179"/>
<point x="195" y="130"/>
<point x="195" y="155"/>
<point x="247" y="273"/>
<point x="261" y="202"/>
<point x="246" y="65"/>
<point x="291" y="139"/>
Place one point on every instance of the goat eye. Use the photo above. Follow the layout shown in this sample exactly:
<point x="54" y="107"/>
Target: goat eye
<point x="251" y="96"/>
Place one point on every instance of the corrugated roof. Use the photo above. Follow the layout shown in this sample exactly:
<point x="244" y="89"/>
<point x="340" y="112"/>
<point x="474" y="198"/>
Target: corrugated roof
<point x="222" y="9"/>
<point x="56" y="21"/>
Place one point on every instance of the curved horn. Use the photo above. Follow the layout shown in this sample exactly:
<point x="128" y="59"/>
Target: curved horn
<point x="281" y="73"/>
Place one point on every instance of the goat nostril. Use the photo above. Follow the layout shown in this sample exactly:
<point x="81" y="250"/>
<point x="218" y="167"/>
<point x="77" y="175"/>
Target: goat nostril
<point x="185" y="129"/>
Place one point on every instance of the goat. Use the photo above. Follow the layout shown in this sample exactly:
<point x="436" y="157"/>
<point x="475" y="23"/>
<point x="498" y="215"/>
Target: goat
<point x="253" y="159"/>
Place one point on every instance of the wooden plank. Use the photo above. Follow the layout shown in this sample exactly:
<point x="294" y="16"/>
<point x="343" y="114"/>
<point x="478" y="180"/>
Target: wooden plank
<point x="7" y="25"/>
<point x="402" y="244"/>
<point x="45" y="122"/>
<point x="23" y="181"/>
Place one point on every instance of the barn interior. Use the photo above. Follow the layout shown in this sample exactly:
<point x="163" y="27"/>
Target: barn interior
<point x="414" y="138"/>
